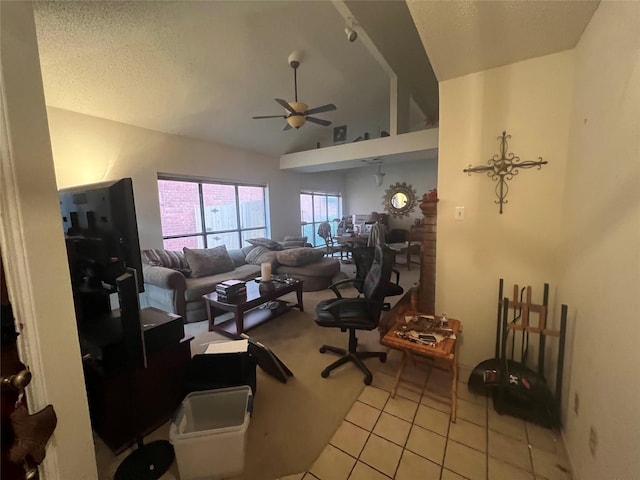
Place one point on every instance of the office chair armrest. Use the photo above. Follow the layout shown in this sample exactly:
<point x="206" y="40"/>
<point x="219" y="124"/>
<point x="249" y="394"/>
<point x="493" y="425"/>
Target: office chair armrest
<point x="334" y="286"/>
<point x="397" y="272"/>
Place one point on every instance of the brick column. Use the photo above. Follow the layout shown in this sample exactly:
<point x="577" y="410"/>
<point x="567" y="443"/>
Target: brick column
<point x="427" y="293"/>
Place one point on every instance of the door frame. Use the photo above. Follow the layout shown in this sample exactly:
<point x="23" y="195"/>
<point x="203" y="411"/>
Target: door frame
<point x="34" y="251"/>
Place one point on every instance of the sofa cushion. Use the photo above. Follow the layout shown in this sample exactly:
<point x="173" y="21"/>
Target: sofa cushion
<point x="208" y="261"/>
<point x="260" y="255"/>
<point x="265" y="242"/>
<point x="293" y="242"/>
<point x="316" y="276"/>
<point x="289" y="244"/>
<point x="290" y="238"/>
<point x="196" y="287"/>
<point x="238" y="257"/>
<point x="158" y="257"/>
<point x="297" y="257"/>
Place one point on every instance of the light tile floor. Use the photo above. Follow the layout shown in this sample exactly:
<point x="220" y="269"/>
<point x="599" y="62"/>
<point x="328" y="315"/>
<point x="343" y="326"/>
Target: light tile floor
<point x="410" y="437"/>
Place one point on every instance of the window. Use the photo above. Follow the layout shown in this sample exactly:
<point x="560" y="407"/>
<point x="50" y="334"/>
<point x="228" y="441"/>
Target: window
<point x="200" y="214"/>
<point x="316" y="208"/>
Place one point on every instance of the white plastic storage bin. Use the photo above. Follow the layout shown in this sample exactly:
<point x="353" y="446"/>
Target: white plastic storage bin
<point x="208" y="433"/>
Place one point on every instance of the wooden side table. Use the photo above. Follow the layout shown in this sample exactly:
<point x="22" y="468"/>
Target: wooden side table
<point x="443" y="354"/>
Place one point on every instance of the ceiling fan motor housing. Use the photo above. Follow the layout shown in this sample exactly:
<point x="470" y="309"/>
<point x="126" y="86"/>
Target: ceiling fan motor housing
<point x="295" y="58"/>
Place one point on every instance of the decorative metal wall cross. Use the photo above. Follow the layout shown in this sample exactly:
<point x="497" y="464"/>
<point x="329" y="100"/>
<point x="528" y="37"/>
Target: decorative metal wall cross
<point x="504" y="167"/>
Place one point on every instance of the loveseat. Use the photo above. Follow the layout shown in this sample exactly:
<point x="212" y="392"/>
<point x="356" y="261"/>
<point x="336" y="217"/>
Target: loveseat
<point x="175" y="281"/>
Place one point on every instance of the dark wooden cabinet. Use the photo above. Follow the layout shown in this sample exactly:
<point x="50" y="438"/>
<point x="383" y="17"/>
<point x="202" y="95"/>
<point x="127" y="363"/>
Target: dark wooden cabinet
<point x="131" y="403"/>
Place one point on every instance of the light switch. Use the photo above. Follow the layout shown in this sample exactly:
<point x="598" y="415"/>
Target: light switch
<point x="459" y="213"/>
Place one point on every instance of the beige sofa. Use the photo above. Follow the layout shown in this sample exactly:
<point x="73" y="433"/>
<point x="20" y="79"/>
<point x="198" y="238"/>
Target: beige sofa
<point x="170" y="287"/>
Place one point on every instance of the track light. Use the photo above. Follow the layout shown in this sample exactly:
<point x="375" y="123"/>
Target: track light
<point x="351" y="34"/>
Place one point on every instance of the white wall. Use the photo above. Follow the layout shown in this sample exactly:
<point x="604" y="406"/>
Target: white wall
<point x="88" y="149"/>
<point x="601" y="259"/>
<point x="531" y="100"/>
<point x="363" y="196"/>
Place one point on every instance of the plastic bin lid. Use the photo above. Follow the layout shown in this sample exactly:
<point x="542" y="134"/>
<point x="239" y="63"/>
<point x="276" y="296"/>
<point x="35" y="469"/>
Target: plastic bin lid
<point x="219" y="409"/>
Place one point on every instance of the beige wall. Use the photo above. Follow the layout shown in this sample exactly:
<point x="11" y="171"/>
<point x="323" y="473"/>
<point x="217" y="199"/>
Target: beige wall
<point x="88" y="149"/>
<point x="363" y="196"/>
<point x="531" y="100"/>
<point x="601" y="260"/>
<point x="574" y="224"/>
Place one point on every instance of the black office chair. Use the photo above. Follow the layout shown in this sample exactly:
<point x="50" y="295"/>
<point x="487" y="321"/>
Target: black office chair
<point x="363" y="258"/>
<point x="362" y="313"/>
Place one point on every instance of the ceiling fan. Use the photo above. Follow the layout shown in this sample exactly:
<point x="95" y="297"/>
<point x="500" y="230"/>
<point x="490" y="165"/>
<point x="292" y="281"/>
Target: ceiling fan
<point x="297" y="113"/>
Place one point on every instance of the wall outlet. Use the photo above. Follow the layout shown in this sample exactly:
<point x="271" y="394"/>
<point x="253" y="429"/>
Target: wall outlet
<point x="576" y="403"/>
<point x="459" y="215"/>
<point x="593" y="440"/>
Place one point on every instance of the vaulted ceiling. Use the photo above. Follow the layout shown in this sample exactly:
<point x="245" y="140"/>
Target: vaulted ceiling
<point x="203" y="69"/>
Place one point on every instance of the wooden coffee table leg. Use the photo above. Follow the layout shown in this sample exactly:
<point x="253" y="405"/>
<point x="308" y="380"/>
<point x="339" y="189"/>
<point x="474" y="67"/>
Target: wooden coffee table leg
<point x="209" y="315"/>
<point x="399" y="374"/>
<point x="239" y="315"/>
<point x="299" y="295"/>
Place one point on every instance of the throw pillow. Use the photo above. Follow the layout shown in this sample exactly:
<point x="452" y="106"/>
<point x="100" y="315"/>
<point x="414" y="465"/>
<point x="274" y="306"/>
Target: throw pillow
<point x="291" y="244"/>
<point x="289" y="238"/>
<point x="260" y="255"/>
<point x="238" y="257"/>
<point x="158" y="257"/>
<point x="265" y="242"/>
<point x="208" y="261"/>
<point x="297" y="257"/>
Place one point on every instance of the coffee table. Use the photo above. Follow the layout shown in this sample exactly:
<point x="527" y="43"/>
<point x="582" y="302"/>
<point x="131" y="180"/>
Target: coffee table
<point x="246" y="311"/>
<point x="443" y="354"/>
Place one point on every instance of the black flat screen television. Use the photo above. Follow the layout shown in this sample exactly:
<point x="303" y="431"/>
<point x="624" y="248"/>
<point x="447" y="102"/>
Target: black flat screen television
<point x="99" y="221"/>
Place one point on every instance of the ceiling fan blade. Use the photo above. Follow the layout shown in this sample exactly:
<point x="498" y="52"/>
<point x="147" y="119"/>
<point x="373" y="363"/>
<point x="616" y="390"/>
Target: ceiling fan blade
<point x="285" y="105"/>
<point x="286" y="127"/>
<point x="271" y="116"/>
<point x="324" y="108"/>
<point x="319" y="121"/>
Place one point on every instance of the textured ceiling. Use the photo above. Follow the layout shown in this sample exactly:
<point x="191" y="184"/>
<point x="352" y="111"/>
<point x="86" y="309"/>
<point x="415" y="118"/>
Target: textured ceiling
<point x="202" y="69"/>
<point x="463" y="37"/>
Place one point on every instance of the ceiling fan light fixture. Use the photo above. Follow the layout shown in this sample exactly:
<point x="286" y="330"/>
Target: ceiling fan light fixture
<point x="296" y="121"/>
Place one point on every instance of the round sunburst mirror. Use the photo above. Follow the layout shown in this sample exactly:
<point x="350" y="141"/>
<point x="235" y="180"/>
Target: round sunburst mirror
<point x="399" y="199"/>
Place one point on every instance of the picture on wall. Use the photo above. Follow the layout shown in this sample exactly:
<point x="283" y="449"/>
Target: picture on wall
<point x="340" y="134"/>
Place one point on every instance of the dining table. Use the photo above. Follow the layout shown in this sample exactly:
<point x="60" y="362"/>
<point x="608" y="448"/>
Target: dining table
<point x="352" y="240"/>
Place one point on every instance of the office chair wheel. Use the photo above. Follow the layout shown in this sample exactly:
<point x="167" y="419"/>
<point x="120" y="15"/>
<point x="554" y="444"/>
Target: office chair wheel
<point x="323" y="350"/>
<point x="367" y="380"/>
<point x="383" y="358"/>
<point x="324" y="373"/>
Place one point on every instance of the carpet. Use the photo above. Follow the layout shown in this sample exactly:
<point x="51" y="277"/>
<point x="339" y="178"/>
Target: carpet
<point x="291" y="422"/>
